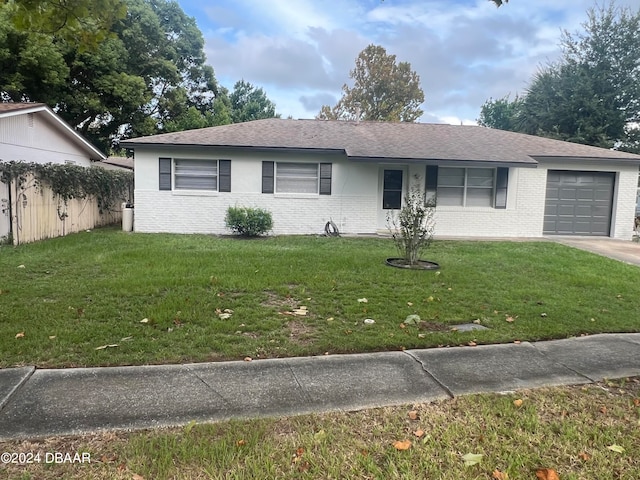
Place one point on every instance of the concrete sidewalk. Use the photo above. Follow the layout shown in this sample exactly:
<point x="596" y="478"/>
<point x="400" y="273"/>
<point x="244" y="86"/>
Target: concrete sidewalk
<point x="40" y="403"/>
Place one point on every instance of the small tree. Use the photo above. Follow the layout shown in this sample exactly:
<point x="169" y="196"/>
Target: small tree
<point x="249" y="222"/>
<point x="413" y="227"/>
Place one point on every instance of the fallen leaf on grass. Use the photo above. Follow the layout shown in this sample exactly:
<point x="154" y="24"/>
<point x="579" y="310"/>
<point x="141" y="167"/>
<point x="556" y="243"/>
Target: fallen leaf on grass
<point x="135" y="476"/>
<point x="369" y="321"/>
<point x="224" y="316"/>
<point x="518" y="403"/>
<point x="584" y="456"/>
<point x="616" y="448"/>
<point x="472" y="459"/>
<point x="603" y="410"/>
<point x="103" y="347"/>
<point x="301" y="311"/>
<point x="20" y="335"/>
<point x="144" y="320"/>
<point x="21" y="266"/>
<point x="472" y="344"/>
<point x="241" y="443"/>
<point x="498" y="475"/>
<point x="413" y="415"/>
<point x="363" y="300"/>
<point x="510" y="319"/>
<point x="52" y="337"/>
<point x="419" y="433"/>
<point x="248" y="359"/>
<point x="402" y="444"/>
<point x="412" y="319"/>
<point x="547" y="474"/>
<point x="636" y="402"/>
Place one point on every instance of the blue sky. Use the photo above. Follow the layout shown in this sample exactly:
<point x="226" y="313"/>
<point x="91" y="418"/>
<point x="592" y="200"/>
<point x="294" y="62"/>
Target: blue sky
<point x="465" y="51"/>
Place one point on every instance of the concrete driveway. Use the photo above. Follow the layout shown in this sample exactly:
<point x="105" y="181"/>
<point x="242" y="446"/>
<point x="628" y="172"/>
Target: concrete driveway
<point x="624" y="251"/>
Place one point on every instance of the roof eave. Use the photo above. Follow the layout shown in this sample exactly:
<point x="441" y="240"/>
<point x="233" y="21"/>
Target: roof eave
<point x="576" y="159"/>
<point x="132" y="144"/>
<point x="448" y="161"/>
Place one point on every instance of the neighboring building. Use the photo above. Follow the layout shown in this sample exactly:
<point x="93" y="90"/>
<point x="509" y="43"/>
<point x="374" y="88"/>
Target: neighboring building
<point x="116" y="163"/>
<point x="306" y="172"/>
<point x="32" y="132"/>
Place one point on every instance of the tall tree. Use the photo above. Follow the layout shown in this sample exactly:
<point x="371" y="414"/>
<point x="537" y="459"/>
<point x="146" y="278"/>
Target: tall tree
<point x="501" y="113"/>
<point x="148" y="73"/>
<point x="250" y="103"/>
<point x="383" y="90"/>
<point x="592" y="95"/>
<point x="84" y="23"/>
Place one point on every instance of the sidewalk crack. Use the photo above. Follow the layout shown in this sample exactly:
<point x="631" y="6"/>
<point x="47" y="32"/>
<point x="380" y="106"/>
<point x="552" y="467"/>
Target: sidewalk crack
<point x="210" y="387"/>
<point x="304" y="392"/>
<point x="424" y="369"/>
<point x="553" y="360"/>
<point x="16" y="389"/>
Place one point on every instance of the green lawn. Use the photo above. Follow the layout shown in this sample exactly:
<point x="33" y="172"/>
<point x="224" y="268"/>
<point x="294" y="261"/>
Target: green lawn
<point x="63" y="299"/>
<point x="580" y="432"/>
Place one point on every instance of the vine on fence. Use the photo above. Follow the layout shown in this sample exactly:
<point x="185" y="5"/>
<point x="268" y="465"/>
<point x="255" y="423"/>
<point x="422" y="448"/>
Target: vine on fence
<point x="69" y="181"/>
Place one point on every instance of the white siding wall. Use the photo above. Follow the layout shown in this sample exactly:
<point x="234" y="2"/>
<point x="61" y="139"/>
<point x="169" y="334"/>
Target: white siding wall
<point x="355" y="199"/>
<point x="31" y="138"/>
<point x="351" y="205"/>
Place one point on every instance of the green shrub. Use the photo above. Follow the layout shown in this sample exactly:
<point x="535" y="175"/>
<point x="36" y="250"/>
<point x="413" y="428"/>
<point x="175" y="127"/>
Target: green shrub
<point x="249" y="222"/>
<point x="412" y="228"/>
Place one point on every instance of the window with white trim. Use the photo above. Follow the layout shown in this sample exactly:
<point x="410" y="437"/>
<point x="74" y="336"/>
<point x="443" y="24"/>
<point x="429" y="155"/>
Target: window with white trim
<point x="296" y="177"/>
<point x="466" y="187"/>
<point x="195" y="174"/>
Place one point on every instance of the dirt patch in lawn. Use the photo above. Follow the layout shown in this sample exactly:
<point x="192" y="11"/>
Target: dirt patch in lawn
<point x="278" y="301"/>
<point x="300" y="333"/>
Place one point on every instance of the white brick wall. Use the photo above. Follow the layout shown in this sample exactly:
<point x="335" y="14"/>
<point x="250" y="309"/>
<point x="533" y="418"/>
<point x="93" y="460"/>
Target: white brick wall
<point x="355" y="199"/>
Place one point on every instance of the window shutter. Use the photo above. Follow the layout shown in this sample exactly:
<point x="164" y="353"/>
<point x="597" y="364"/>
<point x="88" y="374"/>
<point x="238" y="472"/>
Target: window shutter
<point x="325" y="179"/>
<point x="165" y="173"/>
<point x="267" y="177"/>
<point x="431" y="183"/>
<point x="224" y="175"/>
<point x="502" y="179"/>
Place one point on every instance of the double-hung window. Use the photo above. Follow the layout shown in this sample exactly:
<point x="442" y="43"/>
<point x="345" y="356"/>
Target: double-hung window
<point x="183" y="174"/>
<point x="195" y="174"/>
<point x="296" y="177"/>
<point x="466" y="187"/>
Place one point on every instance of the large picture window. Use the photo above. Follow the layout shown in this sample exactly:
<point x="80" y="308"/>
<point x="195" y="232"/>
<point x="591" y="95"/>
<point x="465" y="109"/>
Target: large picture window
<point x="466" y="187"/>
<point x="296" y="177"/>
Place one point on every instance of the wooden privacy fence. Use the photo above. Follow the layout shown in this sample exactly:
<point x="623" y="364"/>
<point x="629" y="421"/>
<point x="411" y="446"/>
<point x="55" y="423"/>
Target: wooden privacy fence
<point x="36" y="214"/>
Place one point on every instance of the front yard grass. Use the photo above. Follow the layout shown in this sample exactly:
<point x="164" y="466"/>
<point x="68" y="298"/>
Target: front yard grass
<point x="580" y="432"/>
<point x="110" y="298"/>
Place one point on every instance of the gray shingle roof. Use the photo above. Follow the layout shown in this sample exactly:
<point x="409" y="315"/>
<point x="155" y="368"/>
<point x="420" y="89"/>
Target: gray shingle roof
<point x="382" y="140"/>
<point x="13" y="106"/>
